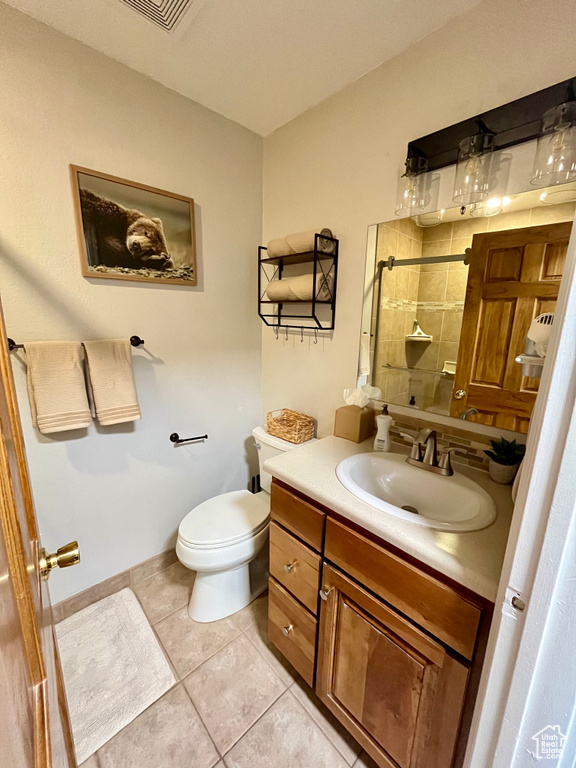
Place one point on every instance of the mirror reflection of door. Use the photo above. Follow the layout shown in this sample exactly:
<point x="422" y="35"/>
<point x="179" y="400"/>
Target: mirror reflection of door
<point x="514" y="276"/>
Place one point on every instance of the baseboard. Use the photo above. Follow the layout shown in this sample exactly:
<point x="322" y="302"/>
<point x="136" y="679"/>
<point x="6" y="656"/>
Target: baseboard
<point x="114" y="584"/>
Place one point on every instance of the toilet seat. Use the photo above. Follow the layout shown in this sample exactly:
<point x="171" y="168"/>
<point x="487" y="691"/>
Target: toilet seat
<point x="225" y="520"/>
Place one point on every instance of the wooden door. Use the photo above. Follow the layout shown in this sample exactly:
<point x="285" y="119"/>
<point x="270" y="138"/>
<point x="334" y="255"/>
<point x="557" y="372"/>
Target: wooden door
<point x="514" y="276"/>
<point x="399" y="692"/>
<point x="34" y="724"/>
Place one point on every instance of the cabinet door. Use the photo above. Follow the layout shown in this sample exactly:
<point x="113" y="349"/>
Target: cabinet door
<point x="397" y="691"/>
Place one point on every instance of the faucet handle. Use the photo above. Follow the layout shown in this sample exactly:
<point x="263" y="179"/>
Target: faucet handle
<point x="444" y="462"/>
<point x="416" y="451"/>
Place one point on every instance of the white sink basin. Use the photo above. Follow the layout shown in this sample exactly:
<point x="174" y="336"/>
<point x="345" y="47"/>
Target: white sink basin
<point x="387" y="482"/>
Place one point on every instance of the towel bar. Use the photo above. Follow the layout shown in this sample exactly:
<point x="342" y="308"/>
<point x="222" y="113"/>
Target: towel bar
<point x="136" y="341"/>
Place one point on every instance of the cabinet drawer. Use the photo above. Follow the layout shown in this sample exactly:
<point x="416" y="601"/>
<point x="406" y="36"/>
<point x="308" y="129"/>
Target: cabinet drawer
<point x="292" y="630"/>
<point x="427" y="601"/>
<point x="295" y="566"/>
<point x="298" y="516"/>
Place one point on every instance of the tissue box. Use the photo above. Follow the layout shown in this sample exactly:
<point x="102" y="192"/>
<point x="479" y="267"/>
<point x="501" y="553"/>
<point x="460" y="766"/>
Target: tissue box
<point x="354" y="423"/>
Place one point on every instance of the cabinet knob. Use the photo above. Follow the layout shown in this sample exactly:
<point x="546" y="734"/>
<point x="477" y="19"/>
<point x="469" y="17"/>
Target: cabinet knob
<point x="286" y="630"/>
<point x="325" y="593"/>
<point x="459" y="394"/>
<point x="289" y="567"/>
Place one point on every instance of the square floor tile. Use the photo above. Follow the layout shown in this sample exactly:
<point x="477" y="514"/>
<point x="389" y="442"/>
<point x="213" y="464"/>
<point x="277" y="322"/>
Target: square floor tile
<point x="232" y="690"/>
<point x="285" y="737"/>
<point x="169" y="734"/>
<point x="328" y="724"/>
<point x="189" y="643"/>
<point x="165" y="592"/>
<point x="365" y="761"/>
<point x="92" y="762"/>
<point x="255" y="613"/>
<point x="272" y="655"/>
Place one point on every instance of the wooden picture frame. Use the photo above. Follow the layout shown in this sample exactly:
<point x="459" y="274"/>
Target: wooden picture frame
<point x="131" y="231"/>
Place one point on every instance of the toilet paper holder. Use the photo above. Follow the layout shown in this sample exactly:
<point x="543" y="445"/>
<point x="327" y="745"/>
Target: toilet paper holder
<point x="177" y="440"/>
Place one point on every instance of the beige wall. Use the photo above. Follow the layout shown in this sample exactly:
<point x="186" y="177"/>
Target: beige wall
<point x="122" y="491"/>
<point x="338" y="164"/>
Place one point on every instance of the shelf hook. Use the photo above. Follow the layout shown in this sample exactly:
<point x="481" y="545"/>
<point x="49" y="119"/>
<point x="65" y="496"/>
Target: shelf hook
<point x="301" y="334"/>
<point x="315" y="335"/>
<point x="276" y="331"/>
<point x="286" y="334"/>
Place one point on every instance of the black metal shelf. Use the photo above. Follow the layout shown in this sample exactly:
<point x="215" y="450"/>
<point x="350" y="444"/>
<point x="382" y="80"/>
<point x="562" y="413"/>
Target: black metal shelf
<point x="318" y="314"/>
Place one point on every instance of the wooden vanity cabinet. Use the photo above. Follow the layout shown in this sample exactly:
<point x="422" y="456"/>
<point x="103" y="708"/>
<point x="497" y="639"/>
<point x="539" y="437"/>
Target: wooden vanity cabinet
<point x="390" y="648"/>
<point x="396" y="690"/>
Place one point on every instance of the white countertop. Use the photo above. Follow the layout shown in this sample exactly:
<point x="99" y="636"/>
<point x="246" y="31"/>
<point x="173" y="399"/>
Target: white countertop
<point x="472" y="559"/>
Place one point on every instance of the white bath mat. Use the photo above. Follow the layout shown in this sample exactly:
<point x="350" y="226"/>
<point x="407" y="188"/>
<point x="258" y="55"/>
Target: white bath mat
<point x="113" y="669"/>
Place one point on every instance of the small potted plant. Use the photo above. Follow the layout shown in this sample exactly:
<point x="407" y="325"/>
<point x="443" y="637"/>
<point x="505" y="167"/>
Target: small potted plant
<point x="505" y="458"/>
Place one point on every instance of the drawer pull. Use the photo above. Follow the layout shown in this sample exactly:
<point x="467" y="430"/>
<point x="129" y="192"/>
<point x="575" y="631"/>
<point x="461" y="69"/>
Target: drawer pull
<point x="286" y="630"/>
<point x="325" y="593"/>
<point x="289" y="567"/>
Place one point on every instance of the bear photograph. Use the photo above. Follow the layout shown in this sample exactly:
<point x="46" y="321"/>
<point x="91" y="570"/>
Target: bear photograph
<point x="129" y="231"/>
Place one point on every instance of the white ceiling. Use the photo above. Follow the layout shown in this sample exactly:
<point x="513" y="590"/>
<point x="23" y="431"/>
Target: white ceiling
<point x="258" y="62"/>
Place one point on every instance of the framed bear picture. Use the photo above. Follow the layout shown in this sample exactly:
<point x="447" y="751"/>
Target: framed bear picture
<point x="129" y="231"/>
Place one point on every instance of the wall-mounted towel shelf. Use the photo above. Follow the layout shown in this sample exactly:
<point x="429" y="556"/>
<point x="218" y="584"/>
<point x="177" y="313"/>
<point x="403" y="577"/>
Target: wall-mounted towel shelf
<point x="136" y="341"/>
<point x="314" y="314"/>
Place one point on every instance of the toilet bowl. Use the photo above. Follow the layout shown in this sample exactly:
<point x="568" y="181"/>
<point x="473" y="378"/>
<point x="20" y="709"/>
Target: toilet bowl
<point x="223" y="540"/>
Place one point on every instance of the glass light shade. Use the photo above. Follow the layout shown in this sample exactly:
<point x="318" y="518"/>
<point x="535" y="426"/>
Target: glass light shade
<point x="413" y="188"/>
<point x="558" y="196"/>
<point x="555" y="161"/>
<point x="491" y="207"/>
<point x="474" y="169"/>
<point x="432" y="219"/>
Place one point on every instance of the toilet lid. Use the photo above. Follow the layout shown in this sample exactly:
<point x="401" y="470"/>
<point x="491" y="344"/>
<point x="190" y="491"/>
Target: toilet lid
<point x="226" y="519"/>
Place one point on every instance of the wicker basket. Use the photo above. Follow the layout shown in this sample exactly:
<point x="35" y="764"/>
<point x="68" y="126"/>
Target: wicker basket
<point x="290" y="425"/>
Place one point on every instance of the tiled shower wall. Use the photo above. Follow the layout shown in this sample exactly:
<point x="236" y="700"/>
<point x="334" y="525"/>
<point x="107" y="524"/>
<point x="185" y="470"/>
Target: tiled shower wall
<point x="434" y="295"/>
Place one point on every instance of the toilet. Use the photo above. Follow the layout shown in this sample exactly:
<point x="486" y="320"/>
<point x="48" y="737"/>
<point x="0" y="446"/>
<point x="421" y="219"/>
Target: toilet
<point x="223" y="540"/>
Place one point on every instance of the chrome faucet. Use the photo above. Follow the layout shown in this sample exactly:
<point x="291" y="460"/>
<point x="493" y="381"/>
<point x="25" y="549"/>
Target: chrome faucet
<point x="423" y="454"/>
<point x="466" y="412"/>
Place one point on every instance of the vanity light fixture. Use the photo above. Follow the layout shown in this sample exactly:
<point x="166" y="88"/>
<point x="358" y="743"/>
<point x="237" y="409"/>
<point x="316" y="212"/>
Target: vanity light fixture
<point x="491" y="207"/>
<point x="474" y="181"/>
<point x="432" y="219"/>
<point x="413" y="188"/>
<point x="555" y="161"/>
<point x="559" y="195"/>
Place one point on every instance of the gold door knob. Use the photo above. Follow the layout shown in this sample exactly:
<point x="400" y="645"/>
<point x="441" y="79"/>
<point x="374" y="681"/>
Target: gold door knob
<point x="459" y="394"/>
<point x="66" y="556"/>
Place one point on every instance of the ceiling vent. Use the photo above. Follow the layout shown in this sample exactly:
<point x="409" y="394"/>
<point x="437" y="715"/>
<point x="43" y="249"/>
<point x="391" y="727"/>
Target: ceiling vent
<point x="166" y="14"/>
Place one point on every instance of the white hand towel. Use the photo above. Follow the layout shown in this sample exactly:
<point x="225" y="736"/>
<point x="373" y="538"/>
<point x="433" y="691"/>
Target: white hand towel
<point x="56" y="386"/>
<point x="112" y="381"/>
<point x="364" y="358"/>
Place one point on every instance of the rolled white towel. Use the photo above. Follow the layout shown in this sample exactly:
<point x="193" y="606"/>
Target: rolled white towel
<point x="300" y="288"/>
<point x="278" y="247"/>
<point x="300" y="242"/>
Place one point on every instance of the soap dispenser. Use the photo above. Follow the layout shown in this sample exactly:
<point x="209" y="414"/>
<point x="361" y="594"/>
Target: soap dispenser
<point x="383" y="424"/>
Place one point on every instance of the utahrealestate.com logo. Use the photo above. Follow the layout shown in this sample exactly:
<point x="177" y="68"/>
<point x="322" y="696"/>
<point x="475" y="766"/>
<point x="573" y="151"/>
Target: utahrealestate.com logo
<point x="549" y="743"/>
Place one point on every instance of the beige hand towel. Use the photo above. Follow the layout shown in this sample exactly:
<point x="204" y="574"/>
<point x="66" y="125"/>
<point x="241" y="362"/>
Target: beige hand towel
<point x="109" y="366"/>
<point x="56" y="386"/>
<point x="300" y="288"/>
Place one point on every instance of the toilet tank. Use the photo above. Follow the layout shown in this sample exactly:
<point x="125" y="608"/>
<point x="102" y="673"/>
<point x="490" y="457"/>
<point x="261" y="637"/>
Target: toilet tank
<point x="269" y="446"/>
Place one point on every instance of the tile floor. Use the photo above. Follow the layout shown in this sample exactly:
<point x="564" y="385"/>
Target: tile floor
<point x="237" y="702"/>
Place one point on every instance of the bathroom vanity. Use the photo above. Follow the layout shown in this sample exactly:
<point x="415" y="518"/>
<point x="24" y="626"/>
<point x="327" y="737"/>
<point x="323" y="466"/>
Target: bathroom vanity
<point x="386" y="620"/>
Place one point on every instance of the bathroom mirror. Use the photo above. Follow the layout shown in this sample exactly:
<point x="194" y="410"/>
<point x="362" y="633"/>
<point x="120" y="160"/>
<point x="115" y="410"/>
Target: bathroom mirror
<point x="450" y="298"/>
